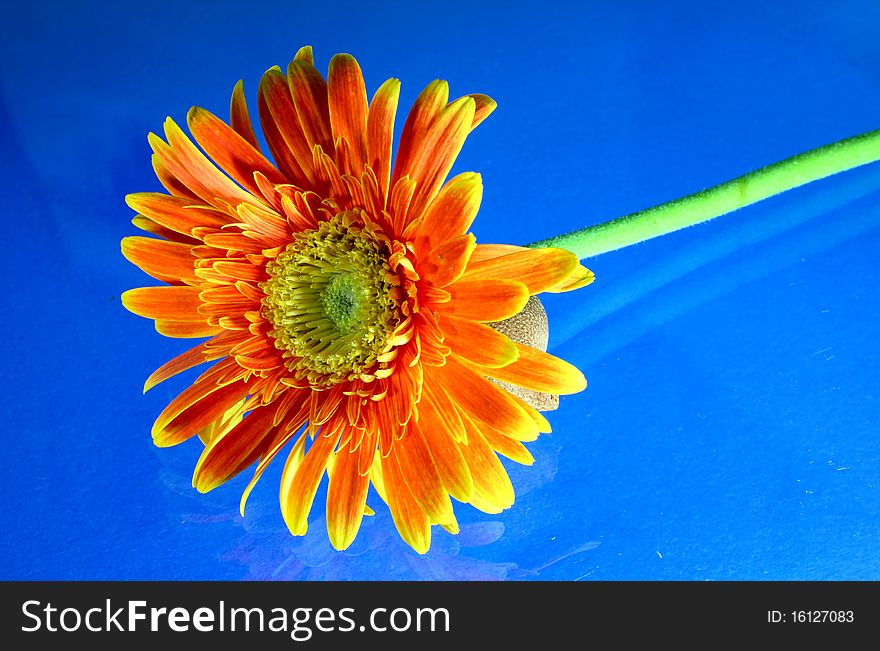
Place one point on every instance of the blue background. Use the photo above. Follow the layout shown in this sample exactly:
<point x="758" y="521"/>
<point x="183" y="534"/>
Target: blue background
<point x="730" y="430"/>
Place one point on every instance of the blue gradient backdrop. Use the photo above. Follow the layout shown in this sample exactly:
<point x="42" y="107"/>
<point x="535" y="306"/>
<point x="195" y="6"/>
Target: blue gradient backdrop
<point x="730" y="430"/>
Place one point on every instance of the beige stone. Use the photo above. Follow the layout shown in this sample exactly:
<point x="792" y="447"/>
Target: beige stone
<point x="528" y="327"/>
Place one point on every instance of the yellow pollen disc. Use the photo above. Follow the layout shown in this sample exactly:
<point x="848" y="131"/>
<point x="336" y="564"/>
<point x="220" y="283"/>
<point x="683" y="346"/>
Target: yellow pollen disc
<point x="329" y="299"/>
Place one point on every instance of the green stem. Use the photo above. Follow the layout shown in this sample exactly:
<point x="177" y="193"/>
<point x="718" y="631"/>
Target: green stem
<point x="720" y="199"/>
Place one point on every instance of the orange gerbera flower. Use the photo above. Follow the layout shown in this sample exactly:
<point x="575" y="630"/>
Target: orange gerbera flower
<point x="345" y="301"/>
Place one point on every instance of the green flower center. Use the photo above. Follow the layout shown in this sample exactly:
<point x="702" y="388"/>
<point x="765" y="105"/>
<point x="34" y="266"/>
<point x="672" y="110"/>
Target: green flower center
<point x="342" y="299"/>
<point x="329" y="299"/>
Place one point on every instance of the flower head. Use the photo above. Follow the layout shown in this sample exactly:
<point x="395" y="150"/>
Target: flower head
<point x="344" y="302"/>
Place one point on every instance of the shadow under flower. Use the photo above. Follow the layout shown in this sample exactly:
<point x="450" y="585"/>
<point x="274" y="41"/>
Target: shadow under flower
<point x="261" y="545"/>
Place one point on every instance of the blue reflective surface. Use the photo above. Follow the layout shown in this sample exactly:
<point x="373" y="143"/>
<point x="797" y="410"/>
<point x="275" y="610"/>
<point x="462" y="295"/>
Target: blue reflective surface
<point x="730" y="430"/>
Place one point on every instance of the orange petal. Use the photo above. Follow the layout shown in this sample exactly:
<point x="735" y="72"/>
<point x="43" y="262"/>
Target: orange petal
<point x="477" y="343"/>
<point x="485" y="300"/>
<point x="492" y="488"/>
<point x="349" y="109"/>
<point x="148" y="225"/>
<point x="399" y="200"/>
<point x="433" y="157"/>
<point x="412" y="523"/>
<point x="484" y="401"/>
<point x="537" y="269"/>
<point x="451" y="213"/>
<point x="194" y="170"/>
<point x="299" y="482"/>
<point x="294" y="458"/>
<point x="231" y="152"/>
<point x="185" y="361"/>
<point x="174" y="185"/>
<point x="488" y="251"/>
<point x="438" y="425"/>
<point x="380" y="132"/>
<point x="234" y="450"/>
<point x="281" y="128"/>
<point x="165" y="303"/>
<point x="419" y="471"/>
<point x="196" y="407"/>
<point x="580" y="278"/>
<point x="422" y="115"/>
<point x="171" y="262"/>
<point x="264" y="224"/>
<point x="187" y="329"/>
<point x="309" y="92"/>
<point x="507" y="446"/>
<point x="175" y="213"/>
<point x="346" y="498"/>
<point x="239" y="117"/>
<point x="305" y="54"/>
<point x="539" y="371"/>
<point x="240" y="270"/>
<point x="291" y="415"/>
<point x="484" y="107"/>
<point x="445" y="264"/>
<point x="227" y="421"/>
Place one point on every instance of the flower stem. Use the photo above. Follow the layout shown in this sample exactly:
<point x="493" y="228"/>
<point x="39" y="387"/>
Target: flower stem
<point x="721" y="199"/>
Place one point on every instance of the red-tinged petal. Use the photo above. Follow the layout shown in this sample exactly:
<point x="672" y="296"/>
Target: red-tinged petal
<point x="438" y="425"/>
<point x="581" y="277"/>
<point x="232" y="241"/>
<point x="432" y="158"/>
<point x="484" y="107"/>
<point x="489" y="251"/>
<point x="266" y="222"/>
<point x="200" y="415"/>
<point x="186" y="329"/>
<point x="165" y="303"/>
<point x="484" y="401"/>
<point x="284" y="136"/>
<point x="176" y="213"/>
<point x="300" y="482"/>
<point x="149" y="226"/>
<point x="194" y="169"/>
<point x="507" y="446"/>
<point x="538" y="419"/>
<point x="427" y="107"/>
<point x="233" y="153"/>
<point x="171" y="262"/>
<point x="227" y="421"/>
<point x="376" y="474"/>
<point x="412" y="523"/>
<point x="171" y="183"/>
<point x="539" y="371"/>
<point x="399" y="200"/>
<point x="346" y="498"/>
<point x="199" y="405"/>
<point x="477" y="342"/>
<point x="241" y="270"/>
<point x="291" y="416"/>
<point x="349" y="109"/>
<point x="422" y="478"/>
<point x="492" y="486"/>
<point x="309" y="92"/>
<point x="380" y="133"/>
<point x="234" y="450"/>
<point x="446" y="263"/>
<point x="239" y="116"/>
<point x="537" y="269"/>
<point x="485" y="300"/>
<point x="305" y="54"/>
<point x="294" y="458"/>
<point x="451" y="213"/>
<point x="185" y="361"/>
